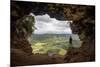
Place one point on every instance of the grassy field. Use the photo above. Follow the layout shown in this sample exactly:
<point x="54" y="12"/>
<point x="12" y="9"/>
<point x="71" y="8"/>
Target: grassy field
<point x="52" y="45"/>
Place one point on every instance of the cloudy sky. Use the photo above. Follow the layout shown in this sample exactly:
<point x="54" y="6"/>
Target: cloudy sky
<point x="47" y="25"/>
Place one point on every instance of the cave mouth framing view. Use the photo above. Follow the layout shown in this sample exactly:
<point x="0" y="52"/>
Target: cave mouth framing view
<point x="51" y="36"/>
<point x="51" y="33"/>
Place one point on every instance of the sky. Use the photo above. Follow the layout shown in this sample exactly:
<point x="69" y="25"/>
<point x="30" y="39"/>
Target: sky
<point x="46" y="25"/>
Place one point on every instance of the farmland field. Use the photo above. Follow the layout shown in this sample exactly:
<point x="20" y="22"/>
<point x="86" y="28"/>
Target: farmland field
<point x="52" y="44"/>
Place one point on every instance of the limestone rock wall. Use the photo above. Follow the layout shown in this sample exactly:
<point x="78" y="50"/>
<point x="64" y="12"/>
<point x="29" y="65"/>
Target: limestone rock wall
<point x="21" y="28"/>
<point x="84" y="25"/>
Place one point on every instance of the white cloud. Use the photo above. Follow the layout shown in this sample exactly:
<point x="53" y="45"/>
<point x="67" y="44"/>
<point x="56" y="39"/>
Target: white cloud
<point x="45" y="24"/>
<point x="45" y="18"/>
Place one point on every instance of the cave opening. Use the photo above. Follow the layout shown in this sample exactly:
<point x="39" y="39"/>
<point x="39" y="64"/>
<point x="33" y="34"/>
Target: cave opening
<point x="52" y="36"/>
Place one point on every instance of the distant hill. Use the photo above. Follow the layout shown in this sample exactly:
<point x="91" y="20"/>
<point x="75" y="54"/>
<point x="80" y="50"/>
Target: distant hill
<point x="47" y="36"/>
<point x="74" y="36"/>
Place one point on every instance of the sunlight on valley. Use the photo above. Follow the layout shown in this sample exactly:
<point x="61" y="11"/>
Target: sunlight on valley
<point x="43" y="48"/>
